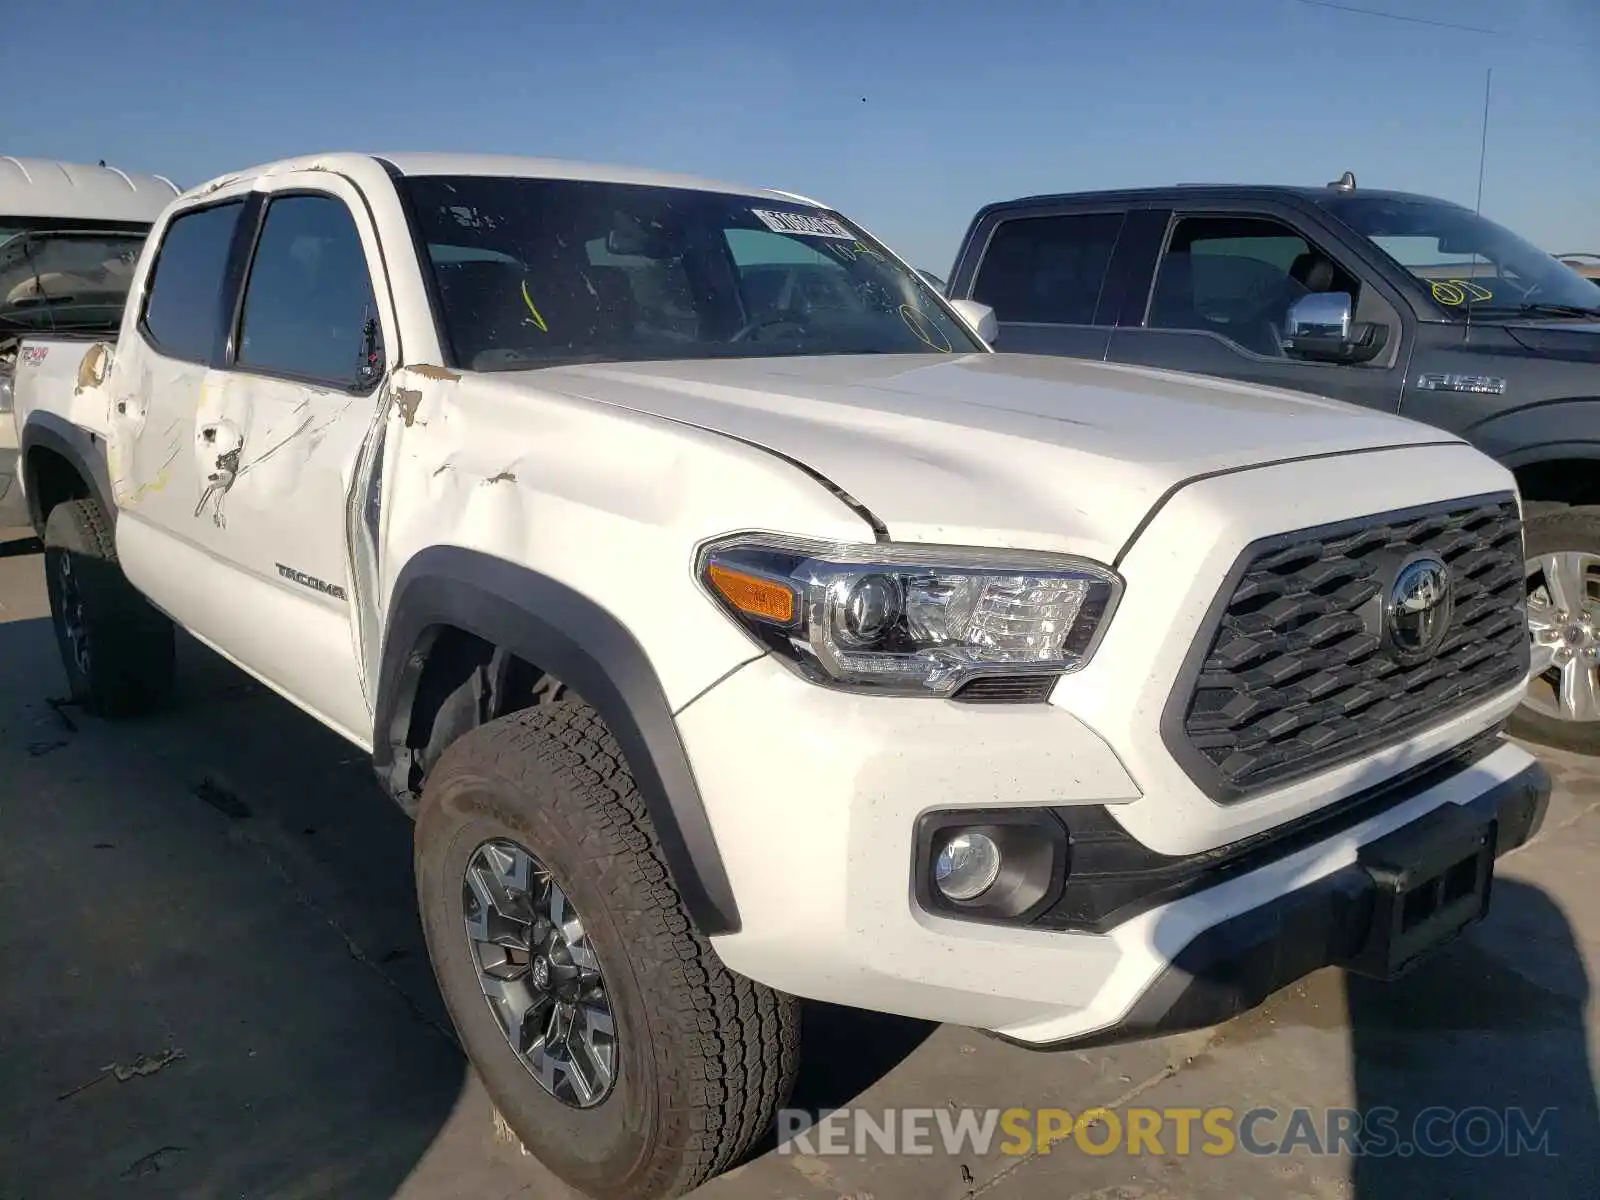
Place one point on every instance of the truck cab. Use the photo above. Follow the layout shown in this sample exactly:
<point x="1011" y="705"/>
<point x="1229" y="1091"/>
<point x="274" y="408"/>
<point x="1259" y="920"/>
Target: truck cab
<point x="70" y="235"/>
<point x="1390" y="300"/>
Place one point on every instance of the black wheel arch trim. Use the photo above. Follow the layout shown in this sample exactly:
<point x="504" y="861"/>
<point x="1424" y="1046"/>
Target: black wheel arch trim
<point x="1538" y="453"/>
<point x="546" y="623"/>
<point x="45" y="431"/>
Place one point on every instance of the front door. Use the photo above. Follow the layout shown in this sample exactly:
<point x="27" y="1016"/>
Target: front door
<point x="1222" y="291"/>
<point x="283" y="434"/>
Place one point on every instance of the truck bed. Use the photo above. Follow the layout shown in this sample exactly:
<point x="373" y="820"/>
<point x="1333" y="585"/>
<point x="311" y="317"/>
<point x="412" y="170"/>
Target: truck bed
<point x="50" y="403"/>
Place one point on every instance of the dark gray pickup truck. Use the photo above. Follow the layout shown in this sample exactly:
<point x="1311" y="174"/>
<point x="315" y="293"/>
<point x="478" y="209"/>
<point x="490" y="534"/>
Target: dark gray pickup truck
<point x="1386" y="299"/>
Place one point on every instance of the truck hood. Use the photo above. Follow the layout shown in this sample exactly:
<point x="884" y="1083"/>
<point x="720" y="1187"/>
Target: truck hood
<point x="991" y="449"/>
<point x="1574" y="340"/>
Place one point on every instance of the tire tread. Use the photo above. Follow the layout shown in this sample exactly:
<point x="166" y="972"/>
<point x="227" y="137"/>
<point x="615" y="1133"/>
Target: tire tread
<point x="132" y="643"/>
<point x="740" y="1040"/>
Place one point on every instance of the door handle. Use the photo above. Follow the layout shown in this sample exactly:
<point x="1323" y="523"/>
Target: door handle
<point x="217" y="445"/>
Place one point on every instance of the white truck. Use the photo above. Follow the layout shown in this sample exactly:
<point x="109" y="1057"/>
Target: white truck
<point x="738" y="628"/>
<point x="69" y="234"/>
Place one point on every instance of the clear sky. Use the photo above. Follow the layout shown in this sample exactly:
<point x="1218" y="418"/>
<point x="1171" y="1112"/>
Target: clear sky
<point x="906" y="114"/>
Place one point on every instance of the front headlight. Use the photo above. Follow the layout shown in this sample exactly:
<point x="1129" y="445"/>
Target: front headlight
<point x="911" y="620"/>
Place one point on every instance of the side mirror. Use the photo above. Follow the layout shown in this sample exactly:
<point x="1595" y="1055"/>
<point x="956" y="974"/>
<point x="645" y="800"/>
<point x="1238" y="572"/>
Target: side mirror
<point x="980" y="316"/>
<point x="1319" y="329"/>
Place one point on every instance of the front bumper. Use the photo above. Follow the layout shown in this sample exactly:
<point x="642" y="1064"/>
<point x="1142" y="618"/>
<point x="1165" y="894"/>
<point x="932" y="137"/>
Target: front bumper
<point x="1345" y="918"/>
<point x="814" y="799"/>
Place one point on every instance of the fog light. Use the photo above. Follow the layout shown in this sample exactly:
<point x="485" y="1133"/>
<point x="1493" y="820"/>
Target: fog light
<point x="967" y="866"/>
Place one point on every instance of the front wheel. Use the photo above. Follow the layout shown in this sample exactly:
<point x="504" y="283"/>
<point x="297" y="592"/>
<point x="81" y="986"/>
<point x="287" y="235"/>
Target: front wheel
<point x="616" y="1045"/>
<point x="1562" y="705"/>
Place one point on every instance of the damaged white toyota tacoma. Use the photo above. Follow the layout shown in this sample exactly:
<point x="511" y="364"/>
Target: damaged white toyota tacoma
<point x="740" y="628"/>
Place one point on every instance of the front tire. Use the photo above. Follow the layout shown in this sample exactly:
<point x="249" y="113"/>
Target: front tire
<point x="117" y="650"/>
<point x="549" y="913"/>
<point x="1562" y="705"/>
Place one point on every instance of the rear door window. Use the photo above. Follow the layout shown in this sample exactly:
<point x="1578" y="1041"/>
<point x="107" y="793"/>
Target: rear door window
<point x="183" y="314"/>
<point x="1048" y="270"/>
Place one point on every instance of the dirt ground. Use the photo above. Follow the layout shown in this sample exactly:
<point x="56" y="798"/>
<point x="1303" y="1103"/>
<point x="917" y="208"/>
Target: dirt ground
<point x="212" y="984"/>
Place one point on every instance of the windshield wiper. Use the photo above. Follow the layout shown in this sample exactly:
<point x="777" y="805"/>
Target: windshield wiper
<point x="1537" y="309"/>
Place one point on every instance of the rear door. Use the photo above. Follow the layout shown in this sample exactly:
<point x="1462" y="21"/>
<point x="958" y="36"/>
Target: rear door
<point x="1224" y="279"/>
<point x="164" y="365"/>
<point x="1051" y="276"/>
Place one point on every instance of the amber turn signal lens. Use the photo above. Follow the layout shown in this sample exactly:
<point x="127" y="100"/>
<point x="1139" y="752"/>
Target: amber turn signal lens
<point x="752" y="595"/>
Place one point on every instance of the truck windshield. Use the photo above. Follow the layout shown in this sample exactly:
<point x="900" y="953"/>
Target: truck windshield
<point x="536" y="272"/>
<point x="55" y="280"/>
<point x="1467" y="261"/>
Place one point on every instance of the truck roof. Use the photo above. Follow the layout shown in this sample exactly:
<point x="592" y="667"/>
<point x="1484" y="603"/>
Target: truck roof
<point x="47" y="187"/>
<point x="420" y="164"/>
<point x="1210" y="191"/>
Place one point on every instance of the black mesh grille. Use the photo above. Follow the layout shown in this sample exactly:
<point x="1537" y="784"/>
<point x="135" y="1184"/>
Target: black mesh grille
<point x="1293" y="677"/>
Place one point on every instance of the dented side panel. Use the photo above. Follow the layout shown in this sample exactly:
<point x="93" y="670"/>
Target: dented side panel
<point x="62" y="376"/>
<point x="273" y="519"/>
<point x="278" y="518"/>
<point x="237" y="487"/>
<point x="610" y="503"/>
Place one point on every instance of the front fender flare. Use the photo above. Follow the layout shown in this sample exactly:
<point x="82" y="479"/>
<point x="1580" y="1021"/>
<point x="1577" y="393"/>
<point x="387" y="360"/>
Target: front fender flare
<point x="1568" y="427"/>
<point x="546" y="623"/>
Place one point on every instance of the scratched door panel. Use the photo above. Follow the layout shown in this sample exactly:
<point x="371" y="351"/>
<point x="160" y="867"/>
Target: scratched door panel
<point x="161" y="372"/>
<point x="281" y="525"/>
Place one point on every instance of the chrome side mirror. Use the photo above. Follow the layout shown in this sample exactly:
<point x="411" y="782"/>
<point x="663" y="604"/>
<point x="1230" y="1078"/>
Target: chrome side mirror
<point x="1319" y="315"/>
<point x="1318" y="329"/>
<point x="979" y="316"/>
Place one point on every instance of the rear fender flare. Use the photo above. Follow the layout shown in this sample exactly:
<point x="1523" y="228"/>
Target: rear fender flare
<point x="82" y="450"/>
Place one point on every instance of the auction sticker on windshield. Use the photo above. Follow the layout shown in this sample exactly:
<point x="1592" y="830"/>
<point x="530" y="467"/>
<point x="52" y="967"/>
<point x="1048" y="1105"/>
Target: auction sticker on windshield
<point x="802" y="223"/>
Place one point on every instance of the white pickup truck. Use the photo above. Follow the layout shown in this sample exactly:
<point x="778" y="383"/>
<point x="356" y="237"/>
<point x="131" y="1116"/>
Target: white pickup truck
<point x="738" y="627"/>
<point x="69" y="234"/>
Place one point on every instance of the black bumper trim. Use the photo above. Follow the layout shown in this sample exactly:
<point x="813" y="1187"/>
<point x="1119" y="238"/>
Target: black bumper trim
<point x="1234" y="966"/>
<point x="1114" y="877"/>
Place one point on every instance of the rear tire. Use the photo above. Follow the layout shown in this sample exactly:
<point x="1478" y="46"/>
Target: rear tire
<point x="702" y="1058"/>
<point x="117" y="650"/>
<point x="1573" y="533"/>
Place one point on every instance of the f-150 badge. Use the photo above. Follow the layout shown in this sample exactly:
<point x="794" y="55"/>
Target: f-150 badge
<point x="1438" y="381"/>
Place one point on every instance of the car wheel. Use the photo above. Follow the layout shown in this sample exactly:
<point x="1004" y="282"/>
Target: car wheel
<point x="117" y="649"/>
<point x="1562" y="705"/>
<point x="629" y="1060"/>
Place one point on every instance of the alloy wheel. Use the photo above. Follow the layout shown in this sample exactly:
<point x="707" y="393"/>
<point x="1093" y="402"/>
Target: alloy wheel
<point x="69" y="606"/>
<point x="1563" y="616"/>
<point x="539" y="973"/>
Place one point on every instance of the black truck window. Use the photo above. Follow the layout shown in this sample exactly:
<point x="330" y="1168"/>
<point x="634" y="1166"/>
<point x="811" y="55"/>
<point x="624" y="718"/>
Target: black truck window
<point x="183" y="304"/>
<point x="1237" y="276"/>
<point x="1047" y="270"/>
<point x="309" y="311"/>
